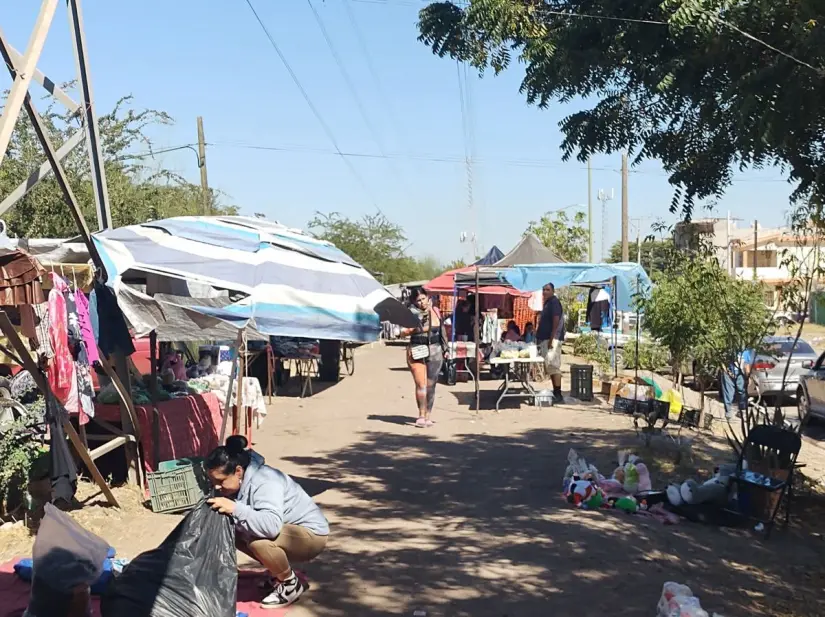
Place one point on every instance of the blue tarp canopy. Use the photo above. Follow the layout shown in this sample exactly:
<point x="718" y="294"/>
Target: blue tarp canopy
<point x="631" y="278"/>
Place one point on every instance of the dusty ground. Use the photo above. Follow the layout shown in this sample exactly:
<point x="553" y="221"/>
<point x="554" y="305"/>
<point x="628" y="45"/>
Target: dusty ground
<point x="466" y="518"/>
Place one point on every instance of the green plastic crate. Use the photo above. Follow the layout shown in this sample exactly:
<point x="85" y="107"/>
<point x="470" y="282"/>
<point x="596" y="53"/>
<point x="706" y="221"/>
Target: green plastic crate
<point x="179" y="488"/>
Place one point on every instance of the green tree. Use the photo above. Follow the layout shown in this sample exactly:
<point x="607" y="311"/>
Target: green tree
<point x="704" y="86"/>
<point x="703" y="315"/>
<point x="655" y="254"/>
<point x="137" y="191"/>
<point x="374" y="242"/>
<point x="456" y="264"/>
<point x="565" y="237"/>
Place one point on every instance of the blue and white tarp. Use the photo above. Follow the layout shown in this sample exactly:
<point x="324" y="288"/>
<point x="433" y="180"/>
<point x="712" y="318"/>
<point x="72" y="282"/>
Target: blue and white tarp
<point x="631" y="278"/>
<point x="290" y="283"/>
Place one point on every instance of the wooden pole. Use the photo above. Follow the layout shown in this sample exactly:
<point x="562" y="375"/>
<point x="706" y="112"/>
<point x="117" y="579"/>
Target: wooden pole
<point x="153" y="394"/>
<point x="207" y="206"/>
<point x="30" y="365"/>
<point x="755" y="242"/>
<point x="477" y="344"/>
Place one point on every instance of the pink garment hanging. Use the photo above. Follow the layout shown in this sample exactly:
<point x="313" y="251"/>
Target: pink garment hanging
<point x="85" y="321"/>
<point x="61" y="371"/>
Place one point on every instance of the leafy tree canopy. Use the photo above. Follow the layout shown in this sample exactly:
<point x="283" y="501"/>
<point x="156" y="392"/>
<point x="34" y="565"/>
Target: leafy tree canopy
<point x="701" y="313"/>
<point x="137" y="191"/>
<point x="377" y="244"/>
<point x="567" y="238"/>
<point x="655" y="254"/>
<point x="682" y="81"/>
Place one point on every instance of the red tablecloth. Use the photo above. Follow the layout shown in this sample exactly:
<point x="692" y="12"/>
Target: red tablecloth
<point x="189" y="426"/>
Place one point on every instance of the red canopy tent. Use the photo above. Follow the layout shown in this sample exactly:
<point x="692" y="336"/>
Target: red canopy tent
<point x="445" y="283"/>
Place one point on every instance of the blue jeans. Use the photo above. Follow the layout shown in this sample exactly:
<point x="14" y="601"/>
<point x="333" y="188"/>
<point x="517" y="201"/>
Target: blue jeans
<point x="733" y="390"/>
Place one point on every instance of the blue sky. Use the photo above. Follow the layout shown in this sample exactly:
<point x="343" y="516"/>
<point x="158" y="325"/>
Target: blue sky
<point x="211" y="58"/>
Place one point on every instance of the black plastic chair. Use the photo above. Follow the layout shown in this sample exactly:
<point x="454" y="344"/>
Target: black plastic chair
<point x="780" y="447"/>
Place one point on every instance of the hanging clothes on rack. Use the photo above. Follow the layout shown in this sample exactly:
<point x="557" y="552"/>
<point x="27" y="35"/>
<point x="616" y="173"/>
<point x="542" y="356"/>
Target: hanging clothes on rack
<point x="490" y="331"/>
<point x="80" y="355"/>
<point x="86" y="331"/>
<point x="113" y="334"/>
<point x="61" y="370"/>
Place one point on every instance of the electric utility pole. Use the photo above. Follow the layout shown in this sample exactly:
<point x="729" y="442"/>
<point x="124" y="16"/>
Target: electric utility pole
<point x="590" y="256"/>
<point x="207" y="206"/>
<point x="625" y="248"/>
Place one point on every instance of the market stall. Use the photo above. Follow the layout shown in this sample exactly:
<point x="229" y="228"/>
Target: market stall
<point x="625" y="281"/>
<point x="250" y="275"/>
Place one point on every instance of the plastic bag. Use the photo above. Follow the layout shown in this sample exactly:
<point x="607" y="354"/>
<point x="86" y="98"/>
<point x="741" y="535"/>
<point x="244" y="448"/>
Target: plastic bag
<point x="678" y="601"/>
<point x="67" y="559"/>
<point x="193" y="573"/>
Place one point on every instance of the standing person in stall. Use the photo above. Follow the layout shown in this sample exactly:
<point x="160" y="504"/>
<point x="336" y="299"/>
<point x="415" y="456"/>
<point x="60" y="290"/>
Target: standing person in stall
<point x="425" y="355"/>
<point x="276" y="521"/>
<point x="550" y="336"/>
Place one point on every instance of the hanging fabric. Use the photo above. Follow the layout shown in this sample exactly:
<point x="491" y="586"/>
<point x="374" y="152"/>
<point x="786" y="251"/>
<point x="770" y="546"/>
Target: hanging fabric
<point x="61" y="368"/>
<point x="114" y="335"/>
<point x="20" y="279"/>
<point x="86" y="330"/>
<point x="62" y="469"/>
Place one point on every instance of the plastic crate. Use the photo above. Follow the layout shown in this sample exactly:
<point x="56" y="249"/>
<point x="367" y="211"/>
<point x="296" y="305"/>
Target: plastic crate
<point x="630" y="406"/>
<point x="581" y="382"/>
<point x="178" y="489"/>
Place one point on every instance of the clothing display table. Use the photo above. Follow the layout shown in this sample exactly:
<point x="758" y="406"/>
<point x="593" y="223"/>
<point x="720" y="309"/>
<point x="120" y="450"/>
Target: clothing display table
<point x="517" y="382"/>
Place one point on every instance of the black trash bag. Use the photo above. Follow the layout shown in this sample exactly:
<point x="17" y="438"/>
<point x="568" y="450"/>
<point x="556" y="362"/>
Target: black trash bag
<point x="194" y="573"/>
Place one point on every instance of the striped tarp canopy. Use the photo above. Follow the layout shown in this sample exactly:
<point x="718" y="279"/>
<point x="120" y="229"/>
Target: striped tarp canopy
<point x="283" y="282"/>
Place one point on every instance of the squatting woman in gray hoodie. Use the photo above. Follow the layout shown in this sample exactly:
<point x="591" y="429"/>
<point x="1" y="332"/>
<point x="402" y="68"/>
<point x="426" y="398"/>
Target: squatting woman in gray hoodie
<point x="276" y="522"/>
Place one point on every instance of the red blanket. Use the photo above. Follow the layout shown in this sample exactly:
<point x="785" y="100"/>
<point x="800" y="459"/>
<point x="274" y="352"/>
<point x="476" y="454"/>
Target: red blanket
<point x="189" y="426"/>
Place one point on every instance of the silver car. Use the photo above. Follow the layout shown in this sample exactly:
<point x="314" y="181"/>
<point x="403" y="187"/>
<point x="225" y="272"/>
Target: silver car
<point x="769" y="366"/>
<point x="811" y="391"/>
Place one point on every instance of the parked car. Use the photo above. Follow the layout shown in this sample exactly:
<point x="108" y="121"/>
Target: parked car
<point x="768" y="367"/>
<point x="810" y="394"/>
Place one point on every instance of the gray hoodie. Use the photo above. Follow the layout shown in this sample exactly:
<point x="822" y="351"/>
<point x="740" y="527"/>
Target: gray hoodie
<point x="270" y="499"/>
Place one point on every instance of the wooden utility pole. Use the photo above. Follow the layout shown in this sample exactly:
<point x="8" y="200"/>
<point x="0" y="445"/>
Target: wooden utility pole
<point x="755" y="241"/>
<point x="590" y="256"/>
<point x="207" y="206"/>
<point x="625" y="247"/>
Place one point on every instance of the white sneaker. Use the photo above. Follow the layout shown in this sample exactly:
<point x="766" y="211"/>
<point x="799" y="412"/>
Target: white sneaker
<point x="285" y="593"/>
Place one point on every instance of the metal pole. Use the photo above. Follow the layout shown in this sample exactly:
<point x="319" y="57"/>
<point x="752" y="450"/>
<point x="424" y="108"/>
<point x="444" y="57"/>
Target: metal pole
<point x="104" y="213"/>
<point x="625" y="250"/>
<point x="475" y="333"/>
<point x="590" y="255"/>
<point x="207" y="205"/>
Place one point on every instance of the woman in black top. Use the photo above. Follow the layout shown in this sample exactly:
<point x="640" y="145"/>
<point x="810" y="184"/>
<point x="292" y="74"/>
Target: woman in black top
<point x="425" y="370"/>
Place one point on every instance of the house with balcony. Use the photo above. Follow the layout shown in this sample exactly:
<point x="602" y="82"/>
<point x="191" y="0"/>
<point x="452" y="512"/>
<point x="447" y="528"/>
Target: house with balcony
<point x="773" y="257"/>
<point x="753" y="252"/>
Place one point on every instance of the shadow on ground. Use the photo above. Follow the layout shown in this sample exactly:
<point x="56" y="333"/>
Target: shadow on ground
<point x="476" y="526"/>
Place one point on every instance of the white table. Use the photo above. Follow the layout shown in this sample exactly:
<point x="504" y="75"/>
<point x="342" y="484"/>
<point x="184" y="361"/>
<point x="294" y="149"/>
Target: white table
<point x="520" y="370"/>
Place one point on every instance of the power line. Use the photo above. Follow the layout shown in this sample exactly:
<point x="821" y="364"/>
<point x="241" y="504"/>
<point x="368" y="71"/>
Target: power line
<point x="347" y="78"/>
<point x="427" y="158"/>
<point x="359" y="37"/>
<point x="326" y="128"/>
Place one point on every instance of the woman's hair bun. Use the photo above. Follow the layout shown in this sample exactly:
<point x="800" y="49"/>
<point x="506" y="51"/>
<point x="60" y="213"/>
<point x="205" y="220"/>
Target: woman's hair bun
<point x="235" y="444"/>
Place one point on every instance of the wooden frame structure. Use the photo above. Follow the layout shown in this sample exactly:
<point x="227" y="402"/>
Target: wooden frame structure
<point x="23" y="71"/>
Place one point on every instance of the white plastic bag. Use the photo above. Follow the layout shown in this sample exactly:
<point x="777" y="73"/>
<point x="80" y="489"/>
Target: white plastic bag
<point x="678" y="601"/>
<point x="67" y="560"/>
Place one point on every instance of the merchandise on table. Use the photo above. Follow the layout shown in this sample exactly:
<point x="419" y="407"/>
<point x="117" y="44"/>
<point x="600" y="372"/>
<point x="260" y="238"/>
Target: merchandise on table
<point x="513" y="350"/>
